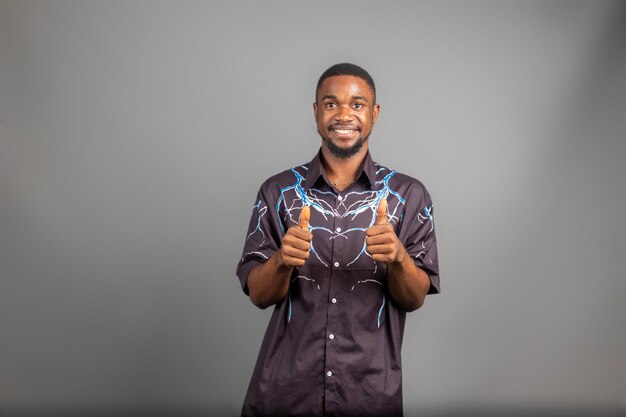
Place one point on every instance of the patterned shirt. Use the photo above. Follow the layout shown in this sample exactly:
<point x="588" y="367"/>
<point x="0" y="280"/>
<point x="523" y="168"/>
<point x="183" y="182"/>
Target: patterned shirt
<point x="332" y="346"/>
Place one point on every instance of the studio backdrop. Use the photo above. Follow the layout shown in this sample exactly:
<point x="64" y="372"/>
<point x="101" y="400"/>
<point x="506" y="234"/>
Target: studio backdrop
<point x="134" y="136"/>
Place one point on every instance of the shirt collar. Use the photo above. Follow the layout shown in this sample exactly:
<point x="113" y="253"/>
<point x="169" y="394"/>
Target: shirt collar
<point x="316" y="170"/>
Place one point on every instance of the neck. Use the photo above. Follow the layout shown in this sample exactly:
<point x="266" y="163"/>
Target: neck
<point x="342" y="172"/>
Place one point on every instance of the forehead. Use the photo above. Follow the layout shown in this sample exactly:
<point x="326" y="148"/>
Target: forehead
<point x="345" y="86"/>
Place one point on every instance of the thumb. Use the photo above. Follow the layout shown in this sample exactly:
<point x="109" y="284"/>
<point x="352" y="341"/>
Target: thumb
<point x="381" y="212"/>
<point x="305" y="214"/>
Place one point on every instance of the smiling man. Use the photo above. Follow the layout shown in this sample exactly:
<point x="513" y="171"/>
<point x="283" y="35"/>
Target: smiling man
<point x="343" y="248"/>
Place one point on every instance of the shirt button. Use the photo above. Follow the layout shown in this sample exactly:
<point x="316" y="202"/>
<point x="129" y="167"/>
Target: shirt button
<point x="331" y="336"/>
<point x="336" y="264"/>
<point x="339" y="198"/>
<point x="334" y="300"/>
<point x="329" y="373"/>
<point x="338" y="229"/>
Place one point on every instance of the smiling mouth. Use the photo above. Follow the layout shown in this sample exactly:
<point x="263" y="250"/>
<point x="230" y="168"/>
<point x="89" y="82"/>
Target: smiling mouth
<point x="344" y="131"/>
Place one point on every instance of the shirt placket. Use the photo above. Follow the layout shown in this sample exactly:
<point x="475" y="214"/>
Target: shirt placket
<point x="333" y="367"/>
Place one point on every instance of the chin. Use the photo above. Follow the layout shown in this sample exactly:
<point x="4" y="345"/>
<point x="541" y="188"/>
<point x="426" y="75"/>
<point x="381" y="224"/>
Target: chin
<point x="344" y="152"/>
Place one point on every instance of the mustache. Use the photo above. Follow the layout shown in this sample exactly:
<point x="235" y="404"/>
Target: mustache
<point x="344" y="126"/>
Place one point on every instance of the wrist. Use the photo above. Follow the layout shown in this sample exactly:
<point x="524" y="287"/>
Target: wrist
<point x="400" y="260"/>
<point x="280" y="262"/>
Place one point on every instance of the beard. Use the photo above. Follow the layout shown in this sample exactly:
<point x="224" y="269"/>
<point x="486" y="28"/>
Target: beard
<point x="344" y="153"/>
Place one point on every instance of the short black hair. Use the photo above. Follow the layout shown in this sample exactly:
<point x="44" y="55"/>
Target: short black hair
<point x="346" y="69"/>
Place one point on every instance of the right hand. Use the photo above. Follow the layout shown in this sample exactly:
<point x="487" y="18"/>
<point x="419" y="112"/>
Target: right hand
<point x="296" y="244"/>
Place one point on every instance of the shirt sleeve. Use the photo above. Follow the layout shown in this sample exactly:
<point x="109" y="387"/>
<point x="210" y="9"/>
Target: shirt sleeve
<point x="263" y="236"/>
<point x="417" y="233"/>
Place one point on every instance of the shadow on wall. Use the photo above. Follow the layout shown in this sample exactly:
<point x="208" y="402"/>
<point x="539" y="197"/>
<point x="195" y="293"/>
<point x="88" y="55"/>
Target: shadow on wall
<point x="458" y="411"/>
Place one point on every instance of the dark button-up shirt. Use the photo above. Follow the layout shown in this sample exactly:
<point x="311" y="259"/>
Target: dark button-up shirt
<point x="332" y="346"/>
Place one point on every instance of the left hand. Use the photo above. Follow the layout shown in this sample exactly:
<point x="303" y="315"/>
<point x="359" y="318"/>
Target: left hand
<point x="381" y="241"/>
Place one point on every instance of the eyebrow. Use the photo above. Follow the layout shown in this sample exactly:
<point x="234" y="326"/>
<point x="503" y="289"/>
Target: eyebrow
<point x="331" y="97"/>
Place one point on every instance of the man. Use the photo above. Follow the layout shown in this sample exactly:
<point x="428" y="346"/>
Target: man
<point x="343" y="247"/>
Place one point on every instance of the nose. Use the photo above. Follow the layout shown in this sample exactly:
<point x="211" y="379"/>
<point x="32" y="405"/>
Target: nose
<point x="344" y="114"/>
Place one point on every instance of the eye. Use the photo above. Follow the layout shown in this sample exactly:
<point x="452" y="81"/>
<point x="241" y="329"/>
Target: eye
<point x="330" y="105"/>
<point x="357" y="105"/>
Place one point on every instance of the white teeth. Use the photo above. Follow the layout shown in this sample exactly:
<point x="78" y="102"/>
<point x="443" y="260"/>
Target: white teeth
<point x="344" y="130"/>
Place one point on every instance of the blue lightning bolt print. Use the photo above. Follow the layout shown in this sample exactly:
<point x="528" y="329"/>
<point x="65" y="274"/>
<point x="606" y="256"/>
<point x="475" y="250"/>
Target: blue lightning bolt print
<point x="294" y="197"/>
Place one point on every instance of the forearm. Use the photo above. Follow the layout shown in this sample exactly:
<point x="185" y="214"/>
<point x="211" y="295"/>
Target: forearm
<point x="268" y="282"/>
<point x="408" y="284"/>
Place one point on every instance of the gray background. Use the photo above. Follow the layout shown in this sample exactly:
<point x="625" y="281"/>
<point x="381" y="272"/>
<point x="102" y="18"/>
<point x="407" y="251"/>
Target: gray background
<point x="134" y="136"/>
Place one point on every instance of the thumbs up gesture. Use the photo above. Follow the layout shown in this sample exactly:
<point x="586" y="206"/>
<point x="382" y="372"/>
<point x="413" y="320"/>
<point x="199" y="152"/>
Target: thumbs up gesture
<point x="381" y="241"/>
<point x="381" y="212"/>
<point x="295" y="246"/>
<point x="305" y="215"/>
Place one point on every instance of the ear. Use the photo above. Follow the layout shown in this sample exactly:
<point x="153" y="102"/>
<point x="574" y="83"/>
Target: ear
<point x="315" y="110"/>
<point x="375" y="111"/>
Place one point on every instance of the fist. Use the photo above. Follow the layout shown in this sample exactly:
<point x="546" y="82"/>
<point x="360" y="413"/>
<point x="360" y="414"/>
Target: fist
<point x="296" y="244"/>
<point x="381" y="241"/>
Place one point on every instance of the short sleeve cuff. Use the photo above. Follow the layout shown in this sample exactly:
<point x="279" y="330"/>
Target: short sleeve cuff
<point x="433" y="276"/>
<point x="243" y="271"/>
